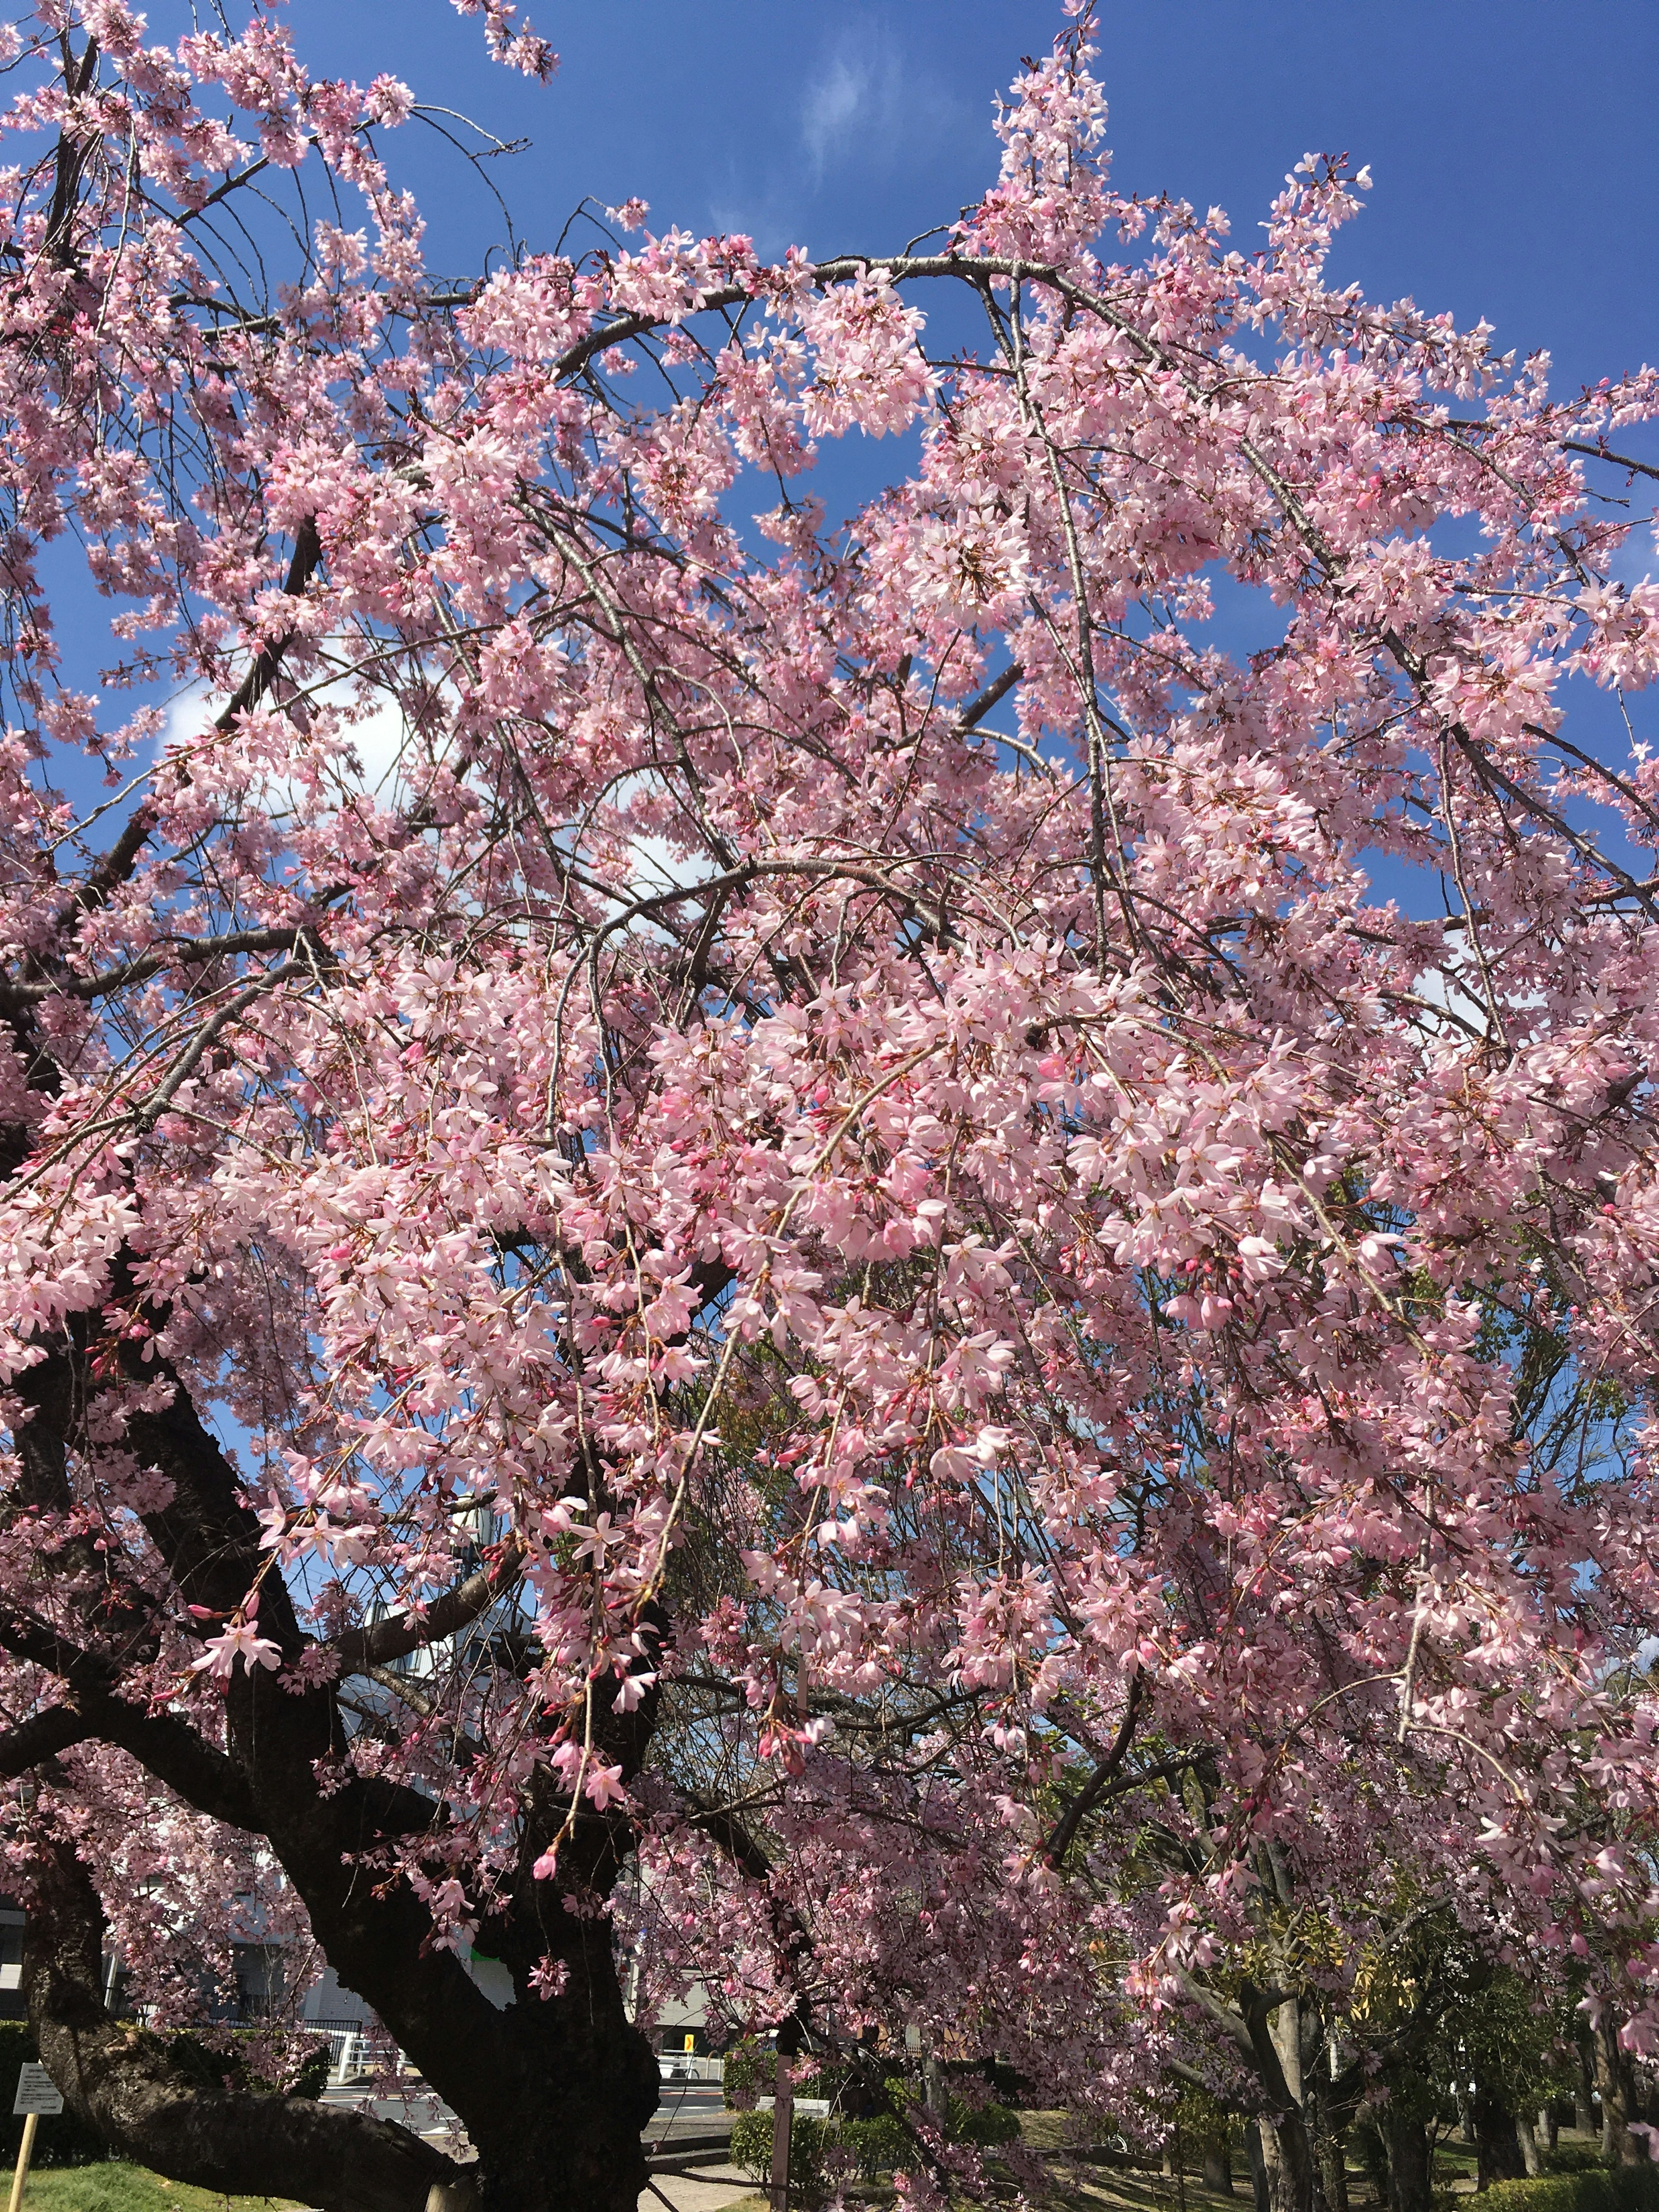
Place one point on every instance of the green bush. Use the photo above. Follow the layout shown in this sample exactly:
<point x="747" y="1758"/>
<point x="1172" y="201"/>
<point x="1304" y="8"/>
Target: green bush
<point x="752" y="2151"/>
<point x="1620" y="2189"/>
<point x="746" y="2071"/>
<point x="984" y="2124"/>
<point x="875" y="2147"/>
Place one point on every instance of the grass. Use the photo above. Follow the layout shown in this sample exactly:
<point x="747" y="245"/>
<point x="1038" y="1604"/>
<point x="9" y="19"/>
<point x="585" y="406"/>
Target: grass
<point x="115" y="2187"/>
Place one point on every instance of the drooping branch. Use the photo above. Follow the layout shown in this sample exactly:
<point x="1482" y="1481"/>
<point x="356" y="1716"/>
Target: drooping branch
<point x="118" y="864"/>
<point x="125" y="2083"/>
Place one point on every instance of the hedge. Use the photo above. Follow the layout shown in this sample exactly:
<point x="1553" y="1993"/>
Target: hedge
<point x="63" y="2140"/>
<point x="1616" y="2189"/>
<point x="751" y="2150"/>
<point x="875" y="2145"/>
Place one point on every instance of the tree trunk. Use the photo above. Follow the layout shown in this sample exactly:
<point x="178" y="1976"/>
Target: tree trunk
<point x="553" y="2095"/>
<point x="125" y="2083"/>
<point x="1465" y="2111"/>
<point x="1334" y="2172"/>
<point x="1254" y="2152"/>
<point x="1497" y="2141"/>
<point x="1528" y="2139"/>
<point x="555" y="2105"/>
<point x="783" y="2129"/>
<point x="1613" y="2079"/>
<point x="1217" y="2164"/>
<point x="1411" y="2187"/>
<point x="1583" y="2103"/>
<point x="1549" y="2127"/>
<point x="1287" y="2162"/>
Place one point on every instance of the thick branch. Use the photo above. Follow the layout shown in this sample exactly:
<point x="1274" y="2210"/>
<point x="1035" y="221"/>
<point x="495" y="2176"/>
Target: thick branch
<point x="1089" y="1796"/>
<point x="126" y="2084"/>
<point x="40" y="1737"/>
<point x="362" y="1650"/>
<point x="173" y="952"/>
<point x="168" y="1747"/>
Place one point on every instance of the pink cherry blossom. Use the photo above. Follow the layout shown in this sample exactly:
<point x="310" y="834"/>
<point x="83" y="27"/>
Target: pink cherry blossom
<point x="776" y="1222"/>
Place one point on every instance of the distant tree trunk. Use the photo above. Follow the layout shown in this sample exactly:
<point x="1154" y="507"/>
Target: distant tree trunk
<point x="1583" y="2103"/>
<point x="1528" y="2139"/>
<point x="1254" y="2152"/>
<point x="1334" y="2172"/>
<point x="1218" y="2164"/>
<point x="1287" y="2158"/>
<point x="1497" y="2140"/>
<point x="1465" y="2114"/>
<point x="1549" y="2127"/>
<point x="1613" y="2079"/>
<point x="1410" y="2174"/>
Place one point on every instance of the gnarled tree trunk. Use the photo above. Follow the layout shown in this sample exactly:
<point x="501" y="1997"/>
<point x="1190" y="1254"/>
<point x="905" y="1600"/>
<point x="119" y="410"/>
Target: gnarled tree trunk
<point x="123" y="2081"/>
<point x="1615" y="2081"/>
<point x="1410" y="2185"/>
<point x="1496" y="2142"/>
<point x="554" y="2095"/>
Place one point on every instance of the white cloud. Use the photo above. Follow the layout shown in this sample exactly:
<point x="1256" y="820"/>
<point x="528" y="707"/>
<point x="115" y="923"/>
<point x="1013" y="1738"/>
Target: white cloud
<point x="380" y="739"/>
<point x="377" y="739"/>
<point x="860" y="103"/>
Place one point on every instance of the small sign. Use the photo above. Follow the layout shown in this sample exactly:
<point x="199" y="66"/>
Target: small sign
<point x="37" y="2092"/>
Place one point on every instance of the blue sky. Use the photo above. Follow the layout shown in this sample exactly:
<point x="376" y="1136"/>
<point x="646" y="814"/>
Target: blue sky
<point x="1513" y="143"/>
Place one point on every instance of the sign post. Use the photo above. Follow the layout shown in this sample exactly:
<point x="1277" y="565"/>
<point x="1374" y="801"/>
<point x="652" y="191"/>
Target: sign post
<point x="37" y="2093"/>
<point x="783" y="2116"/>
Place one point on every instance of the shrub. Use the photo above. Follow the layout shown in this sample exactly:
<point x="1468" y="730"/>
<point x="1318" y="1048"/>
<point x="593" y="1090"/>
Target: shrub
<point x="875" y="2147"/>
<point x="986" y="2124"/>
<point x="1622" y="2188"/>
<point x="745" y="2073"/>
<point x="752" y="2151"/>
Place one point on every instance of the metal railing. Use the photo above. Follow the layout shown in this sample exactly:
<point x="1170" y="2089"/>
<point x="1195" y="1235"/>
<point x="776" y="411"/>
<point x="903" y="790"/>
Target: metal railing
<point x="687" y="2066"/>
<point x="356" y="2047"/>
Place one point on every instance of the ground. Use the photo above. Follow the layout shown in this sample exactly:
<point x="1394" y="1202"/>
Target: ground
<point x="117" y="2187"/>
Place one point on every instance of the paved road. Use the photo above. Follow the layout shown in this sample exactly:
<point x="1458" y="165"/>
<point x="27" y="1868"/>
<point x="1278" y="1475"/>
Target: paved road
<point x="688" y="2108"/>
<point x="417" y="2106"/>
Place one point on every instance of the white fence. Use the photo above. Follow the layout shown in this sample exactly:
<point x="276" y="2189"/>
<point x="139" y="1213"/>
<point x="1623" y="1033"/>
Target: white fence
<point x="355" y="2050"/>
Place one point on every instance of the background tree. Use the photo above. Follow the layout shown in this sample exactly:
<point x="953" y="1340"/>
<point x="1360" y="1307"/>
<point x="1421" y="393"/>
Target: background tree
<point x="763" y="1202"/>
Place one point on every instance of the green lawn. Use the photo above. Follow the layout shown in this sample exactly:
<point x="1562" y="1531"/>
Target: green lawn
<point x="117" y="2187"/>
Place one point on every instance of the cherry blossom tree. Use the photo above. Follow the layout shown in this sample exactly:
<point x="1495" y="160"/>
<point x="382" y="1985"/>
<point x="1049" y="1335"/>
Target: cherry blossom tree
<point x="755" y="1243"/>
